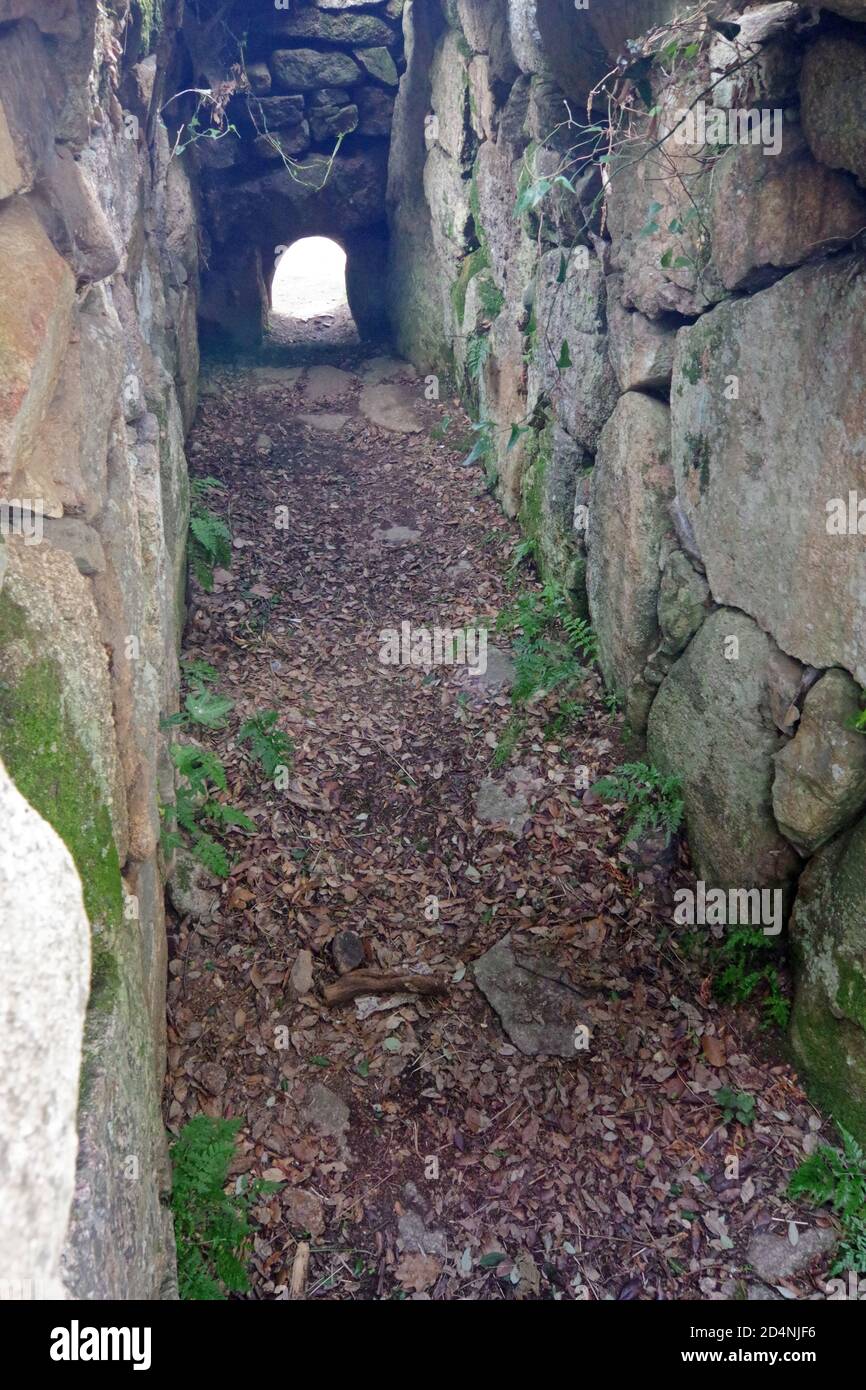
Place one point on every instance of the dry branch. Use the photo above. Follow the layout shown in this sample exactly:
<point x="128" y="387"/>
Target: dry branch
<point x="381" y="982"/>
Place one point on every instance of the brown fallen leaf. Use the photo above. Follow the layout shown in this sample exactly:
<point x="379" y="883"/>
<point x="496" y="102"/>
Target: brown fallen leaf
<point x="418" y="1272"/>
<point x="714" y="1050"/>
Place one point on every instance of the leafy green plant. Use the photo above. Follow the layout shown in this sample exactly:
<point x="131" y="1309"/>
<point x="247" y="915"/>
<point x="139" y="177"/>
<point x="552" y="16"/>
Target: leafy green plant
<point x="524" y="552"/>
<point x="477" y="353"/>
<point x="549" y="636"/>
<point x="746" y="965"/>
<point x="196" y="810"/>
<point x="491" y="297"/>
<point x="212" y="1229"/>
<point x="268" y="744"/>
<point x="736" y="1105"/>
<point x="201" y="706"/>
<point x="837" y="1178"/>
<point x="210" y="540"/>
<point x="567" y="715"/>
<point x="653" y="800"/>
<point x="483" y="451"/>
<point x="509" y="740"/>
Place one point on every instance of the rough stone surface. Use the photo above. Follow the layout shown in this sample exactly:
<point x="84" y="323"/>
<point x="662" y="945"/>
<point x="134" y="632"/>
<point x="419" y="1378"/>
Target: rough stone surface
<point x="326" y="1112"/>
<point x="684" y="597"/>
<point x="584" y="393"/>
<point x="327" y="383"/>
<point x="31" y="90"/>
<point x="46" y="942"/>
<point x="767" y="464"/>
<point x="193" y="891"/>
<point x="392" y="407"/>
<point x="631" y="488"/>
<point x="379" y="64"/>
<point x="772" y="212"/>
<point x="348" y="951"/>
<point x="820" y="781"/>
<point x="36" y="295"/>
<point x="506" y="801"/>
<point x="774" y="1258"/>
<point x="828" y="932"/>
<point x="304" y="1211"/>
<point x="306" y="69"/>
<point x="709" y="724"/>
<point x="98" y="364"/>
<point x="831" y="90"/>
<point x="537" y="1010"/>
<point x="641" y="349"/>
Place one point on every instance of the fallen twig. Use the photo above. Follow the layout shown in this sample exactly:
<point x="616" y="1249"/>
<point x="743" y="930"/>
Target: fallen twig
<point x="380" y="982"/>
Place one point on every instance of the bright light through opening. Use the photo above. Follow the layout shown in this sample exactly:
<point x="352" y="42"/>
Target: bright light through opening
<point x="310" y="279"/>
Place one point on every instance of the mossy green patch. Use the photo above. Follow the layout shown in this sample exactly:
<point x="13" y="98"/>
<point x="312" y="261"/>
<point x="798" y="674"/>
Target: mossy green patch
<point x="471" y="266"/>
<point x="823" y="1044"/>
<point x="851" y="994"/>
<point x="50" y="767"/>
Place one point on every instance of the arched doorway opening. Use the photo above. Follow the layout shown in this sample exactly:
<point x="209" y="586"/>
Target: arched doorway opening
<point x="308" y="294"/>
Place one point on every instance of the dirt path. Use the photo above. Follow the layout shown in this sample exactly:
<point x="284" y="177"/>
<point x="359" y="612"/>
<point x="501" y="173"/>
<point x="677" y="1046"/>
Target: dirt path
<point x="423" y="1151"/>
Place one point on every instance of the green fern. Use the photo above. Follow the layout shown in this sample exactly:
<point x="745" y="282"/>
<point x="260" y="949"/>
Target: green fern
<point x="210" y="542"/>
<point x="477" y="353"/>
<point x="212" y="1229"/>
<point x="653" y="801"/>
<point x="745" y="965"/>
<point x="268" y="744"/>
<point x="838" y="1179"/>
<point x="196" y="811"/>
<point x="509" y="740"/>
<point x="210" y="545"/>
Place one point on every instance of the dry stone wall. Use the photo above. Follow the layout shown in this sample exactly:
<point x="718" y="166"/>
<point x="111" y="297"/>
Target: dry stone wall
<point x="708" y="413"/>
<point x="98" y="369"/>
<point x="305" y="149"/>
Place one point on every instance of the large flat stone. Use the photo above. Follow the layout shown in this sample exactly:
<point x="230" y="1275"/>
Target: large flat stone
<point x="46" y="943"/>
<point x="831" y="88"/>
<point x="306" y="69"/>
<point x="755" y="475"/>
<point x="392" y="406"/>
<point x="828" y="1023"/>
<point x="37" y="289"/>
<point x="538" y="1011"/>
<point x="630" y="493"/>
<point x="710" y="725"/>
<point x="772" y="212"/>
<point x="820" y="781"/>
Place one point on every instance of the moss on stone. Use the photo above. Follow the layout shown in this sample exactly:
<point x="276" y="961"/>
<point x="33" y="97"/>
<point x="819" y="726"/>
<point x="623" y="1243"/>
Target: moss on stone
<point x="50" y="767"/>
<point x="533" y="484"/>
<point x="472" y="265"/>
<point x="823" y="1043"/>
<point x="851" y="994"/>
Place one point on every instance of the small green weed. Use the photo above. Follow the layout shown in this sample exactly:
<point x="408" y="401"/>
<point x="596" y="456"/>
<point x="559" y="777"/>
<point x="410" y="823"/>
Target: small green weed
<point x="210" y="541"/>
<point x="746" y="965"/>
<point x="196" y="810"/>
<point x="212" y="1229"/>
<point x="736" y="1105"/>
<point x="653" y="800"/>
<point x="838" y="1178"/>
<point x="268" y="744"/>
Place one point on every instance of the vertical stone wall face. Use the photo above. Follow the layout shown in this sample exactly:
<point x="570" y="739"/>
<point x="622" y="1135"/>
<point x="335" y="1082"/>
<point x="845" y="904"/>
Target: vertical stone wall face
<point x="709" y="409"/>
<point x="98" y="369"/>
